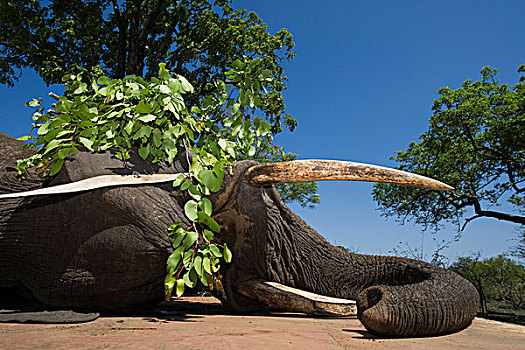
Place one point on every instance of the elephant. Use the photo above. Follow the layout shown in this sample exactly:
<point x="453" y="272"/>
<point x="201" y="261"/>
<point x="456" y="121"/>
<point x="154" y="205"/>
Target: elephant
<point x="94" y="237"/>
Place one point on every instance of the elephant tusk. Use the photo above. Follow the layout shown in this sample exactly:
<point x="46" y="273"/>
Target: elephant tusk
<point x="292" y="299"/>
<point x="322" y="170"/>
<point x="94" y="183"/>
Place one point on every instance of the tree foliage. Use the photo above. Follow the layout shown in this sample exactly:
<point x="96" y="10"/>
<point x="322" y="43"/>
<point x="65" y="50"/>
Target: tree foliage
<point x="195" y="38"/>
<point x="519" y="249"/>
<point x="151" y="117"/>
<point x="198" y="39"/>
<point x="497" y="279"/>
<point x="476" y="144"/>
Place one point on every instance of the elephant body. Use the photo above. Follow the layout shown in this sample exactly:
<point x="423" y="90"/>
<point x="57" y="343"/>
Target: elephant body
<point x="106" y="249"/>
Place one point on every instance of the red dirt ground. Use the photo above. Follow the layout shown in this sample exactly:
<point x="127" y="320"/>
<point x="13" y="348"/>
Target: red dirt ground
<point x="201" y="323"/>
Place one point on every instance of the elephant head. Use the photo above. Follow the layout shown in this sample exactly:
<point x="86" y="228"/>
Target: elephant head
<point x="94" y="236"/>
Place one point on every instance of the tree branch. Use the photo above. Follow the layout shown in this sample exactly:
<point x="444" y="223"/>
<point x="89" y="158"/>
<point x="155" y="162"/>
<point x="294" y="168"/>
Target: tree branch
<point x="497" y="215"/>
<point x="512" y="179"/>
<point x="122" y="41"/>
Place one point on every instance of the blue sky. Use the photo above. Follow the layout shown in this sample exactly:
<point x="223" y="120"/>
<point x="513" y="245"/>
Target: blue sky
<point x="361" y="87"/>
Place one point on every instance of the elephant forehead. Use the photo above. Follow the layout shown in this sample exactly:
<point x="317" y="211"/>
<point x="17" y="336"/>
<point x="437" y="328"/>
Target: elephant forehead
<point x="85" y="165"/>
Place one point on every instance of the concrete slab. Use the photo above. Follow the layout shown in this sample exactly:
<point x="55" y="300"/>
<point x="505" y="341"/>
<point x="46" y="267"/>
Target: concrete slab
<point x="201" y="323"/>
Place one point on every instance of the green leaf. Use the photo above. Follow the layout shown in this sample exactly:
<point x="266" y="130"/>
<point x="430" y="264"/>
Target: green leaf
<point x="189" y="241"/>
<point x="174" y="260"/>
<point x="175" y="226"/>
<point x="147" y="118"/>
<point x="64" y="152"/>
<point x="179" y="237"/>
<point x="197" y="264"/>
<point x="215" y="250"/>
<point x="207" y="177"/>
<point x="56" y="167"/>
<point x="144" y="131"/>
<point x="25" y="138"/>
<point x="208" y="221"/>
<point x="129" y="127"/>
<point x="194" y="192"/>
<point x="103" y="80"/>
<point x="265" y="74"/>
<point x="238" y="64"/>
<point x="144" y="151"/>
<point x="185" y="185"/>
<point x="143" y="108"/>
<point x="222" y="144"/>
<point x="190" y="278"/>
<point x="190" y="209"/>
<point x="215" y="266"/>
<point x="157" y="137"/>
<point x="179" y="180"/>
<point x="187" y="87"/>
<point x="164" y="73"/>
<point x="42" y="130"/>
<point x="206" y="206"/>
<point x="257" y="100"/>
<point x="169" y="282"/>
<point x="244" y="98"/>
<point x="180" y="288"/>
<point x="208" y="235"/>
<point x="34" y="102"/>
<point x="227" y="253"/>
<point x="206" y="265"/>
<point x="54" y="143"/>
<point x="87" y="143"/>
<point x="235" y="108"/>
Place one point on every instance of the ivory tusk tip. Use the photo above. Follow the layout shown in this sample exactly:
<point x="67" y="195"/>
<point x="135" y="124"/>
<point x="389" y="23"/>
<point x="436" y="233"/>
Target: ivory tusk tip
<point x="322" y="170"/>
<point x="447" y="188"/>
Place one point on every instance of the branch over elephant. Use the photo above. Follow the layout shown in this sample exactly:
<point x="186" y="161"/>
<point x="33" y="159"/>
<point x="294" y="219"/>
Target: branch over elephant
<point x="79" y="239"/>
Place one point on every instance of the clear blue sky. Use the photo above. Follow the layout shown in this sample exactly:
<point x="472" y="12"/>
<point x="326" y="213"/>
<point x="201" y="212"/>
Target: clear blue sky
<point x="361" y="87"/>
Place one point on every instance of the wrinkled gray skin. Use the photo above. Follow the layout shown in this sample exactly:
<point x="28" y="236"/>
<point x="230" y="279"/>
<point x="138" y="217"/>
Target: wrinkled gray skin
<point x="106" y="249"/>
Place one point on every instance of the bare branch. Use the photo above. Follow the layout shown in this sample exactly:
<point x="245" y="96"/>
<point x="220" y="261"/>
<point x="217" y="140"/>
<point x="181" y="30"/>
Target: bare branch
<point x="498" y="215"/>
<point x="469" y="220"/>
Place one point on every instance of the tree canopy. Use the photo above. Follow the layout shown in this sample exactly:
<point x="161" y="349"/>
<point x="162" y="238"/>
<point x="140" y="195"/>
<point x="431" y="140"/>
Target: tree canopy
<point x="499" y="280"/>
<point x="476" y="144"/>
<point x="198" y="39"/>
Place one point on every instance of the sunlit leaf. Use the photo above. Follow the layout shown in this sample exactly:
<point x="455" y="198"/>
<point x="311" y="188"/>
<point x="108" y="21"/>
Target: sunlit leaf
<point x="206" y="265"/>
<point x="227" y="253"/>
<point x="190" y="209"/>
<point x="180" y="288"/>
<point x="206" y="206"/>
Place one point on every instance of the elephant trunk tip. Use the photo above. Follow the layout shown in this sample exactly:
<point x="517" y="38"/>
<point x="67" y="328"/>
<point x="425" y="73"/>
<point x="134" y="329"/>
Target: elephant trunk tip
<point x="371" y="312"/>
<point x="416" y="310"/>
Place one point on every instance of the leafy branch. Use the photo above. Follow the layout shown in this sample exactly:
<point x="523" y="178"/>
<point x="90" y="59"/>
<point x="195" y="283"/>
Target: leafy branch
<point x="152" y="118"/>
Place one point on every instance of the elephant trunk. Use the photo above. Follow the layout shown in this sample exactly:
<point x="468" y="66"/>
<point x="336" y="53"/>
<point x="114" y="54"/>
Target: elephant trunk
<point x="441" y="303"/>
